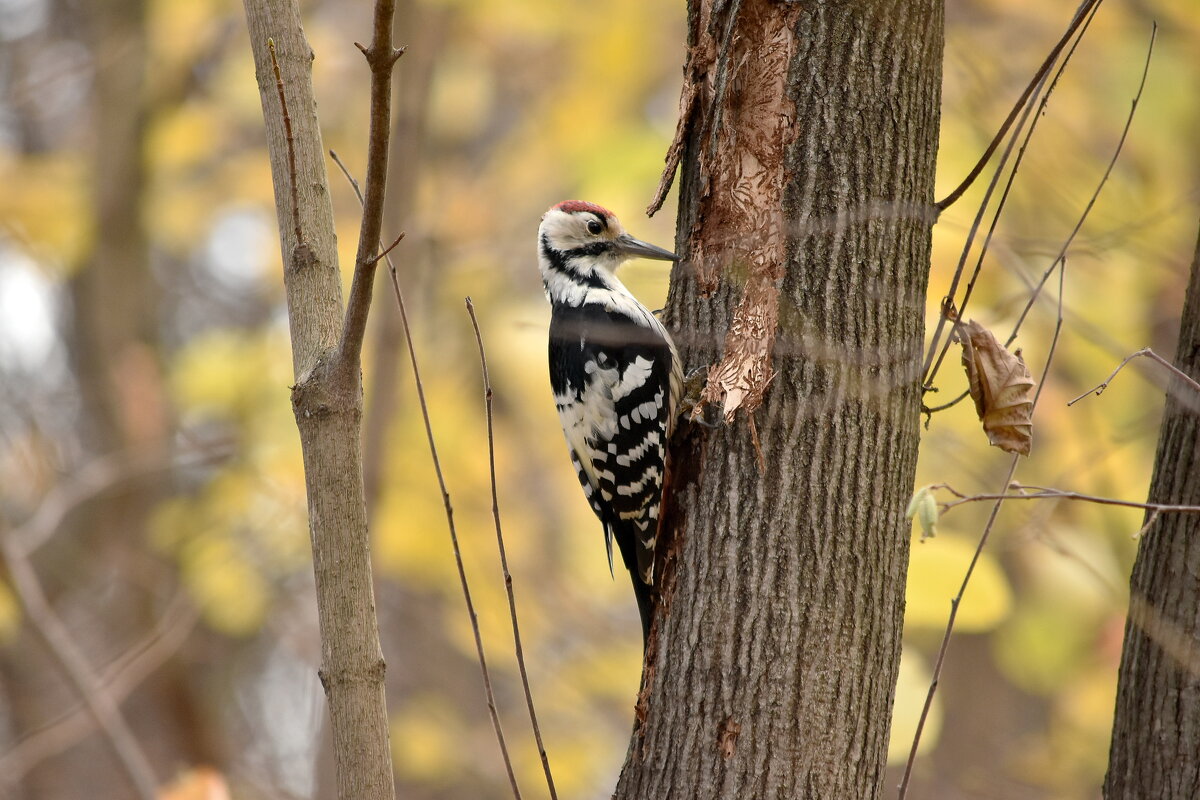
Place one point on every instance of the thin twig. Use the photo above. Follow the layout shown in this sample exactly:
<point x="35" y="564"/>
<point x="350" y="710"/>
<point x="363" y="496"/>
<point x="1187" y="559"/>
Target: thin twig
<point x="388" y="249"/>
<point x="1080" y="13"/>
<point x="462" y="573"/>
<point x="944" y="406"/>
<point x="381" y="56"/>
<point x="1062" y="494"/>
<point x="508" y="581"/>
<point x="1153" y="356"/>
<point x="1148" y="524"/>
<point x="74" y="665"/>
<point x="930" y="368"/>
<point x="346" y="172"/>
<point x="291" y="143"/>
<point x="95" y="478"/>
<point x="117" y="680"/>
<point x="437" y="468"/>
<point x="956" y="601"/>
<point x="1062" y="253"/>
<point x="931" y="371"/>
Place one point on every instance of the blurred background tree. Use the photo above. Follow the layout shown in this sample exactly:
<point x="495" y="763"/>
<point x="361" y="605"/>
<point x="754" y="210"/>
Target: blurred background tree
<point x="150" y="470"/>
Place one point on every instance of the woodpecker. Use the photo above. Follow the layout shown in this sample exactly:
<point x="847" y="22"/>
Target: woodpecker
<point x="616" y="379"/>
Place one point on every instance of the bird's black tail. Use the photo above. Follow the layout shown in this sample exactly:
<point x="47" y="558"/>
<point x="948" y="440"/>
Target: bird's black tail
<point x="645" y="601"/>
<point x="644" y="592"/>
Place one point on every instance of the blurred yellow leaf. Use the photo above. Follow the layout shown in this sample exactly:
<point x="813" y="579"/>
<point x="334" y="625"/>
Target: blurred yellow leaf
<point x="10" y="614"/>
<point x="1040" y="648"/>
<point x="935" y="572"/>
<point x="49" y="215"/>
<point x="231" y="594"/>
<point x="912" y="686"/>
<point x="426" y="738"/>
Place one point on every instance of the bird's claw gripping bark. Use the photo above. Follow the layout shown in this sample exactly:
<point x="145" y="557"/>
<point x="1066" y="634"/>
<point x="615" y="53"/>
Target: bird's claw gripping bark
<point x="691" y="405"/>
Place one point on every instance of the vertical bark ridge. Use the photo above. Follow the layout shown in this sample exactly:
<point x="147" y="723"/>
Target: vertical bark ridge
<point x="1156" y="731"/>
<point x="786" y="617"/>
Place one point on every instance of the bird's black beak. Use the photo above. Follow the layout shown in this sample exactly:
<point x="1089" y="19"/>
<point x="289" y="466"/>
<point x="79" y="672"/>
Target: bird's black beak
<point x="636" y="248"/>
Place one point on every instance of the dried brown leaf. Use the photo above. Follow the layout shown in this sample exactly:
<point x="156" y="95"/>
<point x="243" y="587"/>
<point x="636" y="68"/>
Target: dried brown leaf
<point x="1001" y="387"/>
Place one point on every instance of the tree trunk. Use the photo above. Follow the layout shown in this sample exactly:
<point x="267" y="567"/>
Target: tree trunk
<point x="327" y="401"/>
<point x="805" y="213"/>
<point x="1156" y="733"/>
<point x="114" y="337"/>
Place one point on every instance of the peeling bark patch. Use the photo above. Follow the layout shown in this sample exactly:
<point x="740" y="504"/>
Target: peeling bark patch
<point x="741" y="378"/>
<point x="727" y="737"/>
<point x="739" y="231"/>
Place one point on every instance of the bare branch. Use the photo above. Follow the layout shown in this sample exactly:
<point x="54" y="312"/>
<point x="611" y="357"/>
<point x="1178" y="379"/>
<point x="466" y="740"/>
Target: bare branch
<point x="1084" y="8"/>
<point x="388" y="249"/>
<point x="437" y="468"/>
<point x="327" y="405"/>
<point x="1148" y="353"/>
<point x="118" y="680"/>
<point x="102" y="706"/>
<point x="931" y="368"/>
<point x="956" y="601"/>
<point x="1063" y="494"/>
<point x="1062" y="253"/>
<point x="508" y="582"/>
<point x="927" y="410"/>
<point x="381" y="56"/>
<point x="345" y="171"/>
<point x="462" y="573"/>
<point x="93" y="479"/>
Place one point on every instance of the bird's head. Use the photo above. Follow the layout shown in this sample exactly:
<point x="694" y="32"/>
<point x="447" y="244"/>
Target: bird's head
<point x="578" y="231"/>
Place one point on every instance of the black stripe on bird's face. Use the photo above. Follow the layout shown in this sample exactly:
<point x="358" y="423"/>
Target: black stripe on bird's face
<point x="560" y="261"/>
<point x="593" y="249"/>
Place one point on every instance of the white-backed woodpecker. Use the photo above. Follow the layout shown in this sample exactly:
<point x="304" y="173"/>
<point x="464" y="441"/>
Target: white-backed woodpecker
<point x="616" y="379"/>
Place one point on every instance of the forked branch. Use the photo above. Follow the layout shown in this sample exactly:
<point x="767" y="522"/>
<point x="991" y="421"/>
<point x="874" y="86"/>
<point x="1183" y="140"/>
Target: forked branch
<point x="449" y="508"/>
<point x="99" y="702"/>
<point x="381" y="56"/>
<point x="1153" y="356"/>
<point x="1085" y="8"/>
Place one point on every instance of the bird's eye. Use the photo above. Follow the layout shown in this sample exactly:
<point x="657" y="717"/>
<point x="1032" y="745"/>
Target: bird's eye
<point x="594" y="227"/>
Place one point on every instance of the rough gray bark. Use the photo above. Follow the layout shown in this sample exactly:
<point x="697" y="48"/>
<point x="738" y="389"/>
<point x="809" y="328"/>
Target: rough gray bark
<point x="805" y="229"/>
<point x="1155" y="751"/>
<point x="327" y="401"/>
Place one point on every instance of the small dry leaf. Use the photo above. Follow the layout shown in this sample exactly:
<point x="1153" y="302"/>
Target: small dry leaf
<point x="1001" y="387"/>
<point x="924" y="507"/>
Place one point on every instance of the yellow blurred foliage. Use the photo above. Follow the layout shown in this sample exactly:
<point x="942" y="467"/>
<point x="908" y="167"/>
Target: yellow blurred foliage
<point x="912" y="686"/>
<point x="425" y="733"/>
<point x="48" y="216"/>
<point x="935" y="573"/>
<point x="231" y="594"/>
<point x="531" y="103"/>
<point x="10" y="614"/>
